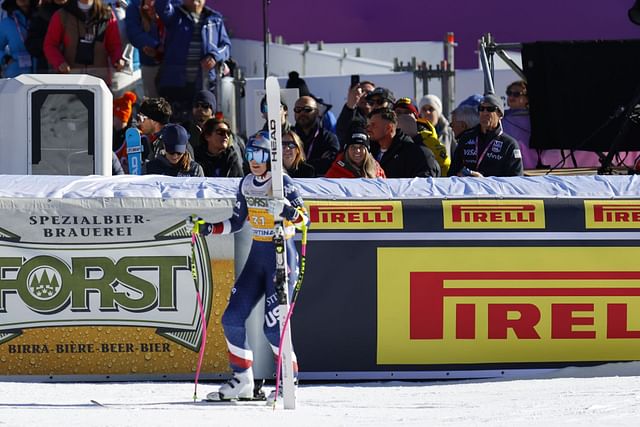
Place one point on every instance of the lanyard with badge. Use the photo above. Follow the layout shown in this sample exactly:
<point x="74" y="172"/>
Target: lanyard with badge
<point x="84" y="49"/>
<point x="484" y="152"/>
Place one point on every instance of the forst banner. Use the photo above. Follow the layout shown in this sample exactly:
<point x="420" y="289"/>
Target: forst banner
<point x="468" y="284"/>
<point x="89" y="289"/>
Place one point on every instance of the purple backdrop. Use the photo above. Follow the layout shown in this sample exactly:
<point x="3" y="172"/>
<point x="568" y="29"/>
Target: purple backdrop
<point x="375" y="20"/>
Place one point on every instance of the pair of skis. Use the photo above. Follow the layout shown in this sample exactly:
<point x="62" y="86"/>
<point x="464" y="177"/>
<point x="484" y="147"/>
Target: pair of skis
<point x="284" y="365"/>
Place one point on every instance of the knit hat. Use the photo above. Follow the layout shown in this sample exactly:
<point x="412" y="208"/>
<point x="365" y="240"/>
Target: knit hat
<point x="175" y="138"/>
<point x="493" y="100"/>
<point x="358" y="136"/>
<point x="433" y="101"/>
<point x="295" y="82"/>
<point x="406" y="103"/>
<point x="383" y="93"/>
<point x="206" y="97"/>
<point x="122" y="107"/>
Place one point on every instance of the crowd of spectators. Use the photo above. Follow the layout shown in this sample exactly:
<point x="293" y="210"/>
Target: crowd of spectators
<point x="182" y="47"/>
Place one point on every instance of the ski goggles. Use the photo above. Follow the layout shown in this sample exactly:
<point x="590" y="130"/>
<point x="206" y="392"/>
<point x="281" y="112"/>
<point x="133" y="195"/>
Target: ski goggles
<point x="257" y="154"/>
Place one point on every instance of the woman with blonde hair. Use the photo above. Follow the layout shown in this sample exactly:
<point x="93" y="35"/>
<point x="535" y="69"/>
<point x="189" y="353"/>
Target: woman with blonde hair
<point x="356" y="160"/>
<point x="293" y="158"/>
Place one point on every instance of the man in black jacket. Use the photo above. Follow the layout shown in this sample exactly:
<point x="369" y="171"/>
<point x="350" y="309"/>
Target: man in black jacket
<point x="486" y="150"/>
<point x="396" y="152"/>
<point x="320" y="145"/>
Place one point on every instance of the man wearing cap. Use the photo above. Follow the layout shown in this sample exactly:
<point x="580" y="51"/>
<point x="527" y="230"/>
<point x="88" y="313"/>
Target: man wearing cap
<point x="174" y="159"/>
<point x="396" y="152"/>
<point x="356" y="160"/>
<point x="486" y="150"/>
<point x="320" y="145"/>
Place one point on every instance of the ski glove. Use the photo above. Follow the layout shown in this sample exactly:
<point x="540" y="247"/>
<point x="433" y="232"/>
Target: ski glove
<point x="282" y="208"/>
<point x="199" y="225"/>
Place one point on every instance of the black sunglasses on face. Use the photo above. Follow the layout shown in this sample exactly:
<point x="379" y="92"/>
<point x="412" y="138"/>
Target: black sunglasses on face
<point x="307" y="110"/>
<point x="223" y="132"/>
<point x="515" y="94"/>
<point x="489" y="108"/>
<point x="289" y="144"/>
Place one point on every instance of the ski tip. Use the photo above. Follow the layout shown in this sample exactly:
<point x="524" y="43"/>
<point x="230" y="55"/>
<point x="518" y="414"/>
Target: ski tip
<point x="95" y="402"/>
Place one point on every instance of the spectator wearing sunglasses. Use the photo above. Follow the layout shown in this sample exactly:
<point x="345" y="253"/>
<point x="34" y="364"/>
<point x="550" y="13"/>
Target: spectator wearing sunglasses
<point x="153" y="115"/>
<point x="517" y="124"/>
<point x="486" y="150"/>
<point x="430" y="108"/>
<point x="396" y="152"/>
<point x="356" y="160"/>
<point x="174" y="159"/>
<point x="356" y="108"/>
<point x="320" y="146"/>
<point x="293" y="157"/>
<point x="203" y="108"/>
<point x="217" y="152"/>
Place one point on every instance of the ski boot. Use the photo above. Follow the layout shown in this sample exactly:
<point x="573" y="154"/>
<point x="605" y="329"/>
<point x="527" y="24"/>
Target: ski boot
<point x="239" y="387"/>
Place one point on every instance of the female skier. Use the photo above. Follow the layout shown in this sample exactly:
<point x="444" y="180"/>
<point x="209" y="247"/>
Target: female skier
<point x="256" y="205"/>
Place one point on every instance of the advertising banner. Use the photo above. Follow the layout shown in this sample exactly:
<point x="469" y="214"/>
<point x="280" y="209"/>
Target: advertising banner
<point x="468" y="284"/>
<point x="92" y="290"/>
<point x="103" y="288"/>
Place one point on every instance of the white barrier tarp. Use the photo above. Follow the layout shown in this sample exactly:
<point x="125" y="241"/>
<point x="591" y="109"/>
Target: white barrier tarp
<point x="167" y="188"/>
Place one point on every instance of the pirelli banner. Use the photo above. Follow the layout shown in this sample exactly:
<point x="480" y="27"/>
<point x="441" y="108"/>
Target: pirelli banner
<point x="104" y="288"/>
<point x="469" y="287"/>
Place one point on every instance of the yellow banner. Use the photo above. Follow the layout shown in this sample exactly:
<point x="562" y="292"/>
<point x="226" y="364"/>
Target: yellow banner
<point x="493" y="214"/>
<point x="506" y="304"/>
<point x="350" y="215"/>
<point x="612" y="213"/>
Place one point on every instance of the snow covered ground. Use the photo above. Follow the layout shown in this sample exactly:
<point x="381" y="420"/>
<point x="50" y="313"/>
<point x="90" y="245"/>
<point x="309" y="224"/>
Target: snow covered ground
<point x="608" y="395"/>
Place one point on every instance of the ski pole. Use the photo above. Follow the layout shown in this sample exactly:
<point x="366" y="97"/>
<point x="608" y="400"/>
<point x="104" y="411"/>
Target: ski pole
<point x="296" y="291"/>
<point x="194" y="233"/>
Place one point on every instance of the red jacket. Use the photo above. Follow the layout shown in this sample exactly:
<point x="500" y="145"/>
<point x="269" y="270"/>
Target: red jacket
<point x="61" y="41"/>
<point x="339" y="169"/>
